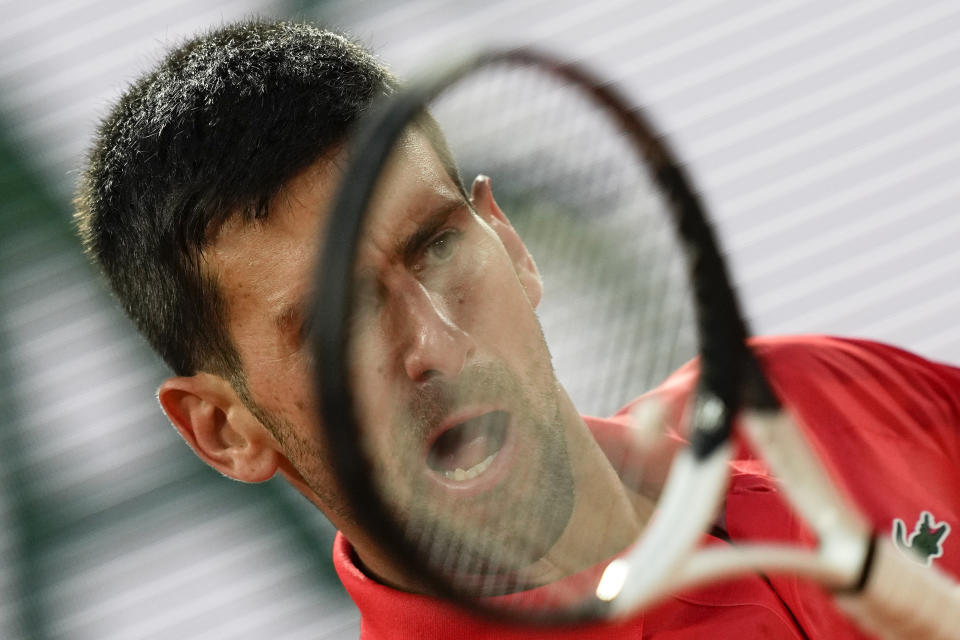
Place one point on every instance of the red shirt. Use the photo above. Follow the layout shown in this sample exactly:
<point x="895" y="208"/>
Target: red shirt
<point x="885" y="423"/>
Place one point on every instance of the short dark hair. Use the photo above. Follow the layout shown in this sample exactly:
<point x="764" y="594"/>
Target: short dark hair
<point x="215" y="131"/>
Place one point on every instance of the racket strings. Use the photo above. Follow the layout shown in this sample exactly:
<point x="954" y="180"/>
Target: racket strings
<point x="617" y="316"/>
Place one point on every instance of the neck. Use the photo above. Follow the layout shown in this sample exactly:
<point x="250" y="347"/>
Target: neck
<point x="607" y="516"/>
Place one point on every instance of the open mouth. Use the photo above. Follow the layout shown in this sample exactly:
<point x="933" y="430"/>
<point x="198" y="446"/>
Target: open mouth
<point x="467" y="449"/>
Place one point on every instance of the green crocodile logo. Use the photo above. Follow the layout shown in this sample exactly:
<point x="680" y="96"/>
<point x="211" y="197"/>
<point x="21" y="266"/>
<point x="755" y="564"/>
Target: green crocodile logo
<point x="925" y="542"/>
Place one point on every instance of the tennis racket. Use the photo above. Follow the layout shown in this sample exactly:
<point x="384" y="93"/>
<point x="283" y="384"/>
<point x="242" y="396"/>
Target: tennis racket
<point x="437" y="295"/>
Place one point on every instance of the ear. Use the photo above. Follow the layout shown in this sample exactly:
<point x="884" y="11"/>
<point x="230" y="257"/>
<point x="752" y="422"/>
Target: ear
<point x="481" y="196"/>
<point x="217" y="425"/>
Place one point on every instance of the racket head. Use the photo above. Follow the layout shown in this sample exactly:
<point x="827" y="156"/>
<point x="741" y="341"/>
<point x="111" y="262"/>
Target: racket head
<point x="569" y="155"/>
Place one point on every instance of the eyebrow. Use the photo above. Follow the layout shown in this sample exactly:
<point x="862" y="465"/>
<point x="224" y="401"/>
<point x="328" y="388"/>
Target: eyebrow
<point x="294" y="314"/>
<point x="408" y="247"/>
<point x="291" y="317"/>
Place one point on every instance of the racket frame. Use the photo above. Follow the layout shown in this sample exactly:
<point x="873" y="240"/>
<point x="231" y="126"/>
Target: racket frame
<point x="721" y="332"/>
<point x="667" y="559"/>
<point x="730" y="378"/>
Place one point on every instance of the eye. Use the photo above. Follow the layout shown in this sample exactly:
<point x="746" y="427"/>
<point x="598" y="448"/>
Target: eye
<point x="441" y="247"/>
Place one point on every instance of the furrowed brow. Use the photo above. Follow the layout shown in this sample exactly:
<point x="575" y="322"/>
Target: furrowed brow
<point x="293" y="315"/>
<point x="408" y="246"/>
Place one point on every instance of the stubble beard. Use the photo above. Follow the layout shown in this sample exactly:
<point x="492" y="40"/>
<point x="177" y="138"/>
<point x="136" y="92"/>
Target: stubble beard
<point x="480" y="545"/>
<point x="483" y="542"/>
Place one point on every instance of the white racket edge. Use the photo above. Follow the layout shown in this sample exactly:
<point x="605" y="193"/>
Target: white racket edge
<point x="691" y="497"/>
<point x="901" y="598"/>
<point x="904" y="599"/>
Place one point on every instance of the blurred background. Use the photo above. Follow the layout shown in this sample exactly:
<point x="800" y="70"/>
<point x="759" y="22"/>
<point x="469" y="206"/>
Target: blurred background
<point x="825" y="137"/>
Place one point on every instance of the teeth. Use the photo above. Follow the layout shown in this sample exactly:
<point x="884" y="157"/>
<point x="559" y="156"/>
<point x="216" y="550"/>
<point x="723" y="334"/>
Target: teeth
<point x="460" y="474"/>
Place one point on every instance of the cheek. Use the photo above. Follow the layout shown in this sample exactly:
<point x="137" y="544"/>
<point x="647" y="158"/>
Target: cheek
<point x="373" y="363"/>
<point x="492" y="303"/>
<point x="284" y="387"/>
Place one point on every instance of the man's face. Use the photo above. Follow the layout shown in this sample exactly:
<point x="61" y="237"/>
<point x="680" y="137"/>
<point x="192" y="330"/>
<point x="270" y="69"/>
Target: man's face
<point x="459" y="408"/>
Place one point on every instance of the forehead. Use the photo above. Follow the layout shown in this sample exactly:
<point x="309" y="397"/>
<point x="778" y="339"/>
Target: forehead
<point x="248" y="254"/>
<point x="267" y="264"/>
<point x="413" y="185"/>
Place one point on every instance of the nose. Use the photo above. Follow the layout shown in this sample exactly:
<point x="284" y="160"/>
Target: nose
<point x="435" y="345"/>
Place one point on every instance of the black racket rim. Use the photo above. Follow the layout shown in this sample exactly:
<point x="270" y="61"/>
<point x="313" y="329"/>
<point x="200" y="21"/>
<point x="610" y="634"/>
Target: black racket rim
<point x="721" y="329"/>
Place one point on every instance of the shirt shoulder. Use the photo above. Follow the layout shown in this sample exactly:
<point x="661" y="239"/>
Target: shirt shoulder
<point x="861" y="375"/>
<point x="885" y="424"/>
